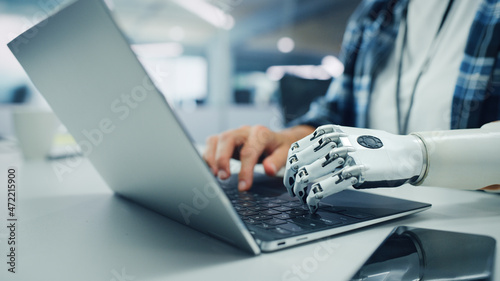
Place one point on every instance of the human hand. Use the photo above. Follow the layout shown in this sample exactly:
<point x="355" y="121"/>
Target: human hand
<point x="334" y="158"/>
<point x="248" y="144"/>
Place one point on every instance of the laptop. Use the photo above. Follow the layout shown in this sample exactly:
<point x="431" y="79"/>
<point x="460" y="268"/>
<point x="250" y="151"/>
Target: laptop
<point x="83" y="65"/>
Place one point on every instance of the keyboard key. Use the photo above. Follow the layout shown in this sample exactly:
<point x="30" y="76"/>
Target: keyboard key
<point x="282" y="209"/>
<point x="283" y="216"/>
<point x="239" y="208"/>
<point x="298" y="212"/>
<point x="247" y="213"/>
<point x="269" y="205"/>
<point x="270" y="212"/>
<point x="292" y="204"/>
<point x="275" y="222"/>
<point x="261" y="217"/>
<point x="246" y="204"/>
<point x="266" y="225"/>
<point x="251" y="221"/>
<point x="257" y="208"/>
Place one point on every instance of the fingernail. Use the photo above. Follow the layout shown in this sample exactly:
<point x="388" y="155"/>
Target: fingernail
<point x="273" y="168"/>
<point x="242" y="185"/>
<point x="222" y="175"/>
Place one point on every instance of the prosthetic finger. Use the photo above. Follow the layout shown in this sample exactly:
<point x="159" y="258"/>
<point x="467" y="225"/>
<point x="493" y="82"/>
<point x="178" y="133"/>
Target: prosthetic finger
<point x="318" y="169"/>
<point x="306" y="155"/>
<point x="339" y="181"/>
<point x="307" y="141"/>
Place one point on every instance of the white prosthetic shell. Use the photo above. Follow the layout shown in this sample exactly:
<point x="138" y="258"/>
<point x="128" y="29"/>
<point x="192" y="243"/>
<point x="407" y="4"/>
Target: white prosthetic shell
<point x="462" y="159"/>
<point x="361" y="158"/>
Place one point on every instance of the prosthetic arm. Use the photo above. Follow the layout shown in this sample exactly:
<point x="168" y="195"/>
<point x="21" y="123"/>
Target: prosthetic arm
<point x="334" y="158"/>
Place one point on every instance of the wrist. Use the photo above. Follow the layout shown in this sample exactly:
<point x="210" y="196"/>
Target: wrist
<point x="425" y="163"/>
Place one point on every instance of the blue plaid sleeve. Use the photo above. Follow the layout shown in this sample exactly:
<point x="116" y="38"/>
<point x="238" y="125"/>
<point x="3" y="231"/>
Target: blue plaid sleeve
<point x="476" y="99"/>
<point x="367" y="42"/>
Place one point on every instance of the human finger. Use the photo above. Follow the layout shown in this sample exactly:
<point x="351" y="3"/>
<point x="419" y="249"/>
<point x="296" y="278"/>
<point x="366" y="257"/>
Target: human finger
<point x="209" y="153"/>
<point x="226" y="145"/>
<point x="276" y="160"/>
<point x="258" y="140"/>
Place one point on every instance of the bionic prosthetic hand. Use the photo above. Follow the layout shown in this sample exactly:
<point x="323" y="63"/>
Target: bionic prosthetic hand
<point x="334" y="158"/>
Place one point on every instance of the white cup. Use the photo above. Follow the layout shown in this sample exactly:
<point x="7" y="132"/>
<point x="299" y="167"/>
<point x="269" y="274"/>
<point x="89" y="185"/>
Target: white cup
<point x="35" y="130"/>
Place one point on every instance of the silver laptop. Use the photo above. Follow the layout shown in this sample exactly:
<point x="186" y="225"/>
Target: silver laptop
<point x="83" y="65"/>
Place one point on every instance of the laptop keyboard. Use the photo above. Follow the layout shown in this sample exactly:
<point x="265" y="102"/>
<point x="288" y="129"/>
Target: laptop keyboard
<point x="284" y="215"/>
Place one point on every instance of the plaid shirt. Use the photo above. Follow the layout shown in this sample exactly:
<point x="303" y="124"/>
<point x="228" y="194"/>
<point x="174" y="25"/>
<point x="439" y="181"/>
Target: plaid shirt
<point x="369" y="39"/>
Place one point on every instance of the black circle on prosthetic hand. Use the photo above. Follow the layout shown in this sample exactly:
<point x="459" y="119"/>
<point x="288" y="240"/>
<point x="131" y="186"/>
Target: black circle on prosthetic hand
<point x="370" y="142"/>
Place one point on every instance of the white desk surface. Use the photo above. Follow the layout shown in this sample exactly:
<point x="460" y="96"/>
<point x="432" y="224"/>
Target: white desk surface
<point x="76" y="229"/>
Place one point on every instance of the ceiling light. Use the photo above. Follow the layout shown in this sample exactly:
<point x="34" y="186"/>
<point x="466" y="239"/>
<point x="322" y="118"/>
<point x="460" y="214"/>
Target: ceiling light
<point x="208" y="12"/>
<point x="286" y="45"/>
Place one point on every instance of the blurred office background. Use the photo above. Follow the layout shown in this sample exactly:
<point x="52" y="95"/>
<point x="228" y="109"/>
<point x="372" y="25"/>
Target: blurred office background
<point x="220" y="63"/>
